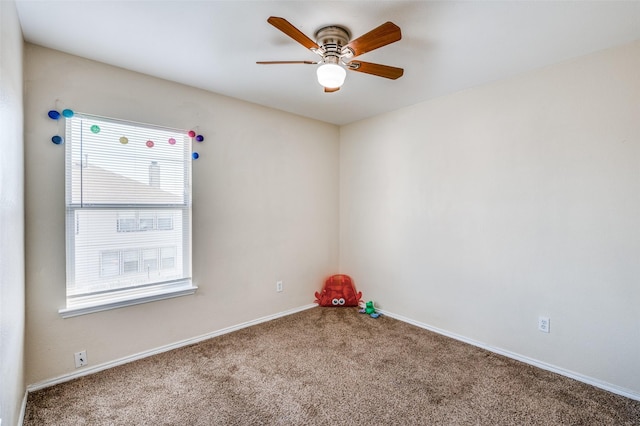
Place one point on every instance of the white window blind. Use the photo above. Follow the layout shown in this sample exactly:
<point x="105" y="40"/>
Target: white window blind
<point x="128" y="209"/>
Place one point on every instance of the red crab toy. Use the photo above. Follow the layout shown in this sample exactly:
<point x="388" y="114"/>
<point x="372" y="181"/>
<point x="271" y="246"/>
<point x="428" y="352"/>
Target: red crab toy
<point x="338" y="290"/>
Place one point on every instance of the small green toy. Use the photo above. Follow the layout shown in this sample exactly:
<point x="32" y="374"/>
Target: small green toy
<point x="370" y="310"/>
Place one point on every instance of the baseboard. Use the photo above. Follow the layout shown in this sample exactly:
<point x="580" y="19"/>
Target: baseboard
<point x="145" y="354"/>
<point x="518" y="357"/>
<point x="23" y="409"/>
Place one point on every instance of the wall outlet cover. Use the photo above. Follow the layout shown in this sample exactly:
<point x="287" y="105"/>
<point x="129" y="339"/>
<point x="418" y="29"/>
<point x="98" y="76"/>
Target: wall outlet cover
<point x="544" y="324"/>
<point x="80" y="358"/>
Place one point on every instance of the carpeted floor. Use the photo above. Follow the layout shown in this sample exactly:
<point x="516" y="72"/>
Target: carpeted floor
<point x="328" y="366"/>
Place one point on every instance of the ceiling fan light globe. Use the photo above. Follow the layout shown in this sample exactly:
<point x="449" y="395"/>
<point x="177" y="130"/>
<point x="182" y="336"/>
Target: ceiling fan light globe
<point x="331" y="76"/>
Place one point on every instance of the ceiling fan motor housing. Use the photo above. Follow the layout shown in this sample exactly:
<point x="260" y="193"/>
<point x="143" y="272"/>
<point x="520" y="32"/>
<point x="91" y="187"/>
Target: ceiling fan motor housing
<point x="332" y="39"/>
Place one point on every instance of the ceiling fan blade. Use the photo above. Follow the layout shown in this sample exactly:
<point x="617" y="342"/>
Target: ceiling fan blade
<point x="287" y="28"/>
<point x="285" y="62"/>
<point x="329" y="90"/>
<point x="386" y="33"/>
<point x="385" y="71"/>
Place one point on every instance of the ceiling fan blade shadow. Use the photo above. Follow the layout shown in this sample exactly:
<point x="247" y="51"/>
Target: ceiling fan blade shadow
<point x="288" y="28"/>
<point x="386" y="33"/>
<point x="379" y="70"/>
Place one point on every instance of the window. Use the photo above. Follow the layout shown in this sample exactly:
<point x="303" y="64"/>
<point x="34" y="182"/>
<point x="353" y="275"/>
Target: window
<point x="134" y="221"/>
<point x="127" y="222"/>
<point x="150" y="260"/>
<point x="168" y="257"/>
<point x="146" y="223"/>
<point x="110" y="264"/>
<point x="165" y="223"/>
<point x="129" y="185"/>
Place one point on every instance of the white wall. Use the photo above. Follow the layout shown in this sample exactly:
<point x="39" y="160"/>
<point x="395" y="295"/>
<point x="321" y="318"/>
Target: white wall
<point x="478" y="212"/>
<point x="12" y="321"/>
<point x="265" y="208"/>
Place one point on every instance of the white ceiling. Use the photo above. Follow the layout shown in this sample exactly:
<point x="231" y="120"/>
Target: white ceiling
<point x="446" y="46"/>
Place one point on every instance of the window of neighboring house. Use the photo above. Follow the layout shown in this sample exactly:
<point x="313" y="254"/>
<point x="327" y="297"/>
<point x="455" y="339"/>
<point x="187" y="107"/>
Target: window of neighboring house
<point x="130" y="262"/>
<point x="167" y="257"/>
<point x="165" y="223"/>
<point x="127" y="222"/>
<point x="150" y="260"/>
<point x="129" y="185"/>
<point x="145" y="223"/>
<point x="135" y="221"/>
<point x="110" y="264"/>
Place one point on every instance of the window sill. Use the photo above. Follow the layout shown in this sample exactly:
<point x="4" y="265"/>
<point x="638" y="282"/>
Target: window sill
<point x="126" y="299"/>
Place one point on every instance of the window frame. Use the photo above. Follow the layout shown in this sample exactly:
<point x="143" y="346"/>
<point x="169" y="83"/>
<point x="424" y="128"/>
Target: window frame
<point x="147" y="212"/>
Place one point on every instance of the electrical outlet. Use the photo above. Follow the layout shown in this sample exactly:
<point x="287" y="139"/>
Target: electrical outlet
<point x="279" y="286"/>
<point x="81" y="358"/>
<point x="544" y="324"/>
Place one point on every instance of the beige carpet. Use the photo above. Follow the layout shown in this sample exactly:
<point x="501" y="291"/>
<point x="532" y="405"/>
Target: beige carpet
<point x="328" y="366"/>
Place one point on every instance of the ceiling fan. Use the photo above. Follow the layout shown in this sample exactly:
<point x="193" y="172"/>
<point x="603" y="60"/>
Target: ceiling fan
<point x="333" y="44"/>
